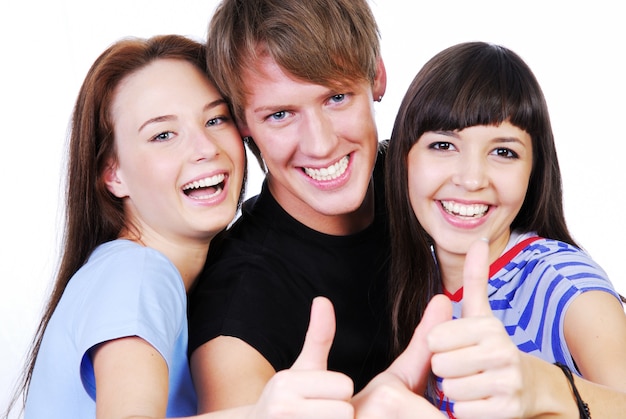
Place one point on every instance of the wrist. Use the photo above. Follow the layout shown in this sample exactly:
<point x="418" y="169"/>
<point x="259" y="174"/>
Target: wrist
<point x="583" y="408"/>
<point x="551" y="393"/>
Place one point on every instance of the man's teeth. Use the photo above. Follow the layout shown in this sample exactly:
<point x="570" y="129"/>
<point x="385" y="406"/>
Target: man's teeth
<point x="474" y="210"/>
<point x="330" y="172"/>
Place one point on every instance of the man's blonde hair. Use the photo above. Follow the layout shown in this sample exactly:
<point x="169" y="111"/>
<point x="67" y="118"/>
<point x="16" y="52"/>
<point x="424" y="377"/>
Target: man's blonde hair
<point x="334" y="43"/>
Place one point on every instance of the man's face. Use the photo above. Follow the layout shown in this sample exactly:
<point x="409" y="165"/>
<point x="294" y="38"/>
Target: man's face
<point x="319" y="145"/>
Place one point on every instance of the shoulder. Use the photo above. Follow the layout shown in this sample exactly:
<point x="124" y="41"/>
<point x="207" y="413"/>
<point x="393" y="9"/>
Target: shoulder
<point x="127" y="255"/>
<point x="260" y="215"/>
<point x="124" y="265"/>
<point x="562" y="256"/>
<point x="124" y="283"/>
<point x="567" y="266"/>
<point x="124" y="290"/>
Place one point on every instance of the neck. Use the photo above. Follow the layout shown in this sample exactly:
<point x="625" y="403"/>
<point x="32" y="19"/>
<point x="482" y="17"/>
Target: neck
<point x="451" y="268"/>
<point x="342" y="224"/>
<point x="451" y="264"/>
<point x="189" y="260"/>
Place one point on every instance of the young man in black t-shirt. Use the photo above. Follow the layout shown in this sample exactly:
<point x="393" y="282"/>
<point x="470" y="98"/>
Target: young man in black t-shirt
<point x="303" y="78"/>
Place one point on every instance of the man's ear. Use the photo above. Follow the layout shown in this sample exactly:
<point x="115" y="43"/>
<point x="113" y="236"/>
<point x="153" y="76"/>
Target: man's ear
<point x="114" y="180"/>
<point x="380" y="81"/>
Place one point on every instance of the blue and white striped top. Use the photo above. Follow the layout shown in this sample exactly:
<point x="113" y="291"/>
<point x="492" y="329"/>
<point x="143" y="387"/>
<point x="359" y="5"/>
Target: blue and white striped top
<point x="530" y="288"/>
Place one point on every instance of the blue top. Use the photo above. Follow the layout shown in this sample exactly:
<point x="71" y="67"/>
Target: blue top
<point x="123" y="290"/>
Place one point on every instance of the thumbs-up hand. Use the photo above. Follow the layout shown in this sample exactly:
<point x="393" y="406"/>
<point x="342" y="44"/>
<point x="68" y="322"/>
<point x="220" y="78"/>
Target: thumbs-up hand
<point x="308" y="390"/>
<point x="319" y="337"/>
<point x="480" y="365"/>
<point x="475" y="278"/>
<point x="397" y="391"/>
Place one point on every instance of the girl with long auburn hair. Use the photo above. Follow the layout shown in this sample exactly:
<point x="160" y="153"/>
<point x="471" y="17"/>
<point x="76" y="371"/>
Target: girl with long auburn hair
<point x="155" y="172"/>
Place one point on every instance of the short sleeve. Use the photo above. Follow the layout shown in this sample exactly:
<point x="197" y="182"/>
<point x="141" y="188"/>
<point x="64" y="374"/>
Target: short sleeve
<point x="137" y="292"/>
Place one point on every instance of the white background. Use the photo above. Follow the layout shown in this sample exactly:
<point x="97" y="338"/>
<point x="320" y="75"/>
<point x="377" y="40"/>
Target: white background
<point x="576" y="50"/>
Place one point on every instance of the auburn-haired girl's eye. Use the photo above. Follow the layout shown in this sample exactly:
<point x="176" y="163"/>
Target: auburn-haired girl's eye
<point x="218" y="120"/>
<point x="163" y="136"/>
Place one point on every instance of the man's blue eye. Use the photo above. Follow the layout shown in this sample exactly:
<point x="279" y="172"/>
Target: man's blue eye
<point x="278" y="115"/>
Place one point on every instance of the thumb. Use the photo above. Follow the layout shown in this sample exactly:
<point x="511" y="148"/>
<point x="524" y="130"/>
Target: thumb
<point x="475" y="279"/>
<point x="413" y="365"/>
<point x="319" y="337"/>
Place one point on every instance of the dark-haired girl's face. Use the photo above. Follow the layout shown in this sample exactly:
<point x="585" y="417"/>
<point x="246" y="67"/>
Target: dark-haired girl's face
<point x="469" y="184"/>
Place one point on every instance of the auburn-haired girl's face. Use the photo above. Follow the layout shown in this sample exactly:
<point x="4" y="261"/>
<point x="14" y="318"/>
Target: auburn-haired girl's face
<point x="180" y="158"/>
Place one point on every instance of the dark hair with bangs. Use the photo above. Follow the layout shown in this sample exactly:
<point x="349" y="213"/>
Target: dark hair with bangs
<point x="465" y="85"/>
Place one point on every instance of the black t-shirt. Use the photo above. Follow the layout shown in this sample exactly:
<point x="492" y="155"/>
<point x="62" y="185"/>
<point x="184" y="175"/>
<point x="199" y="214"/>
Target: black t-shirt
<point x="260" y="280"/>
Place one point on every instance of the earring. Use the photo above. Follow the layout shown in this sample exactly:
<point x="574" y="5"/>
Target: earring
<point x="380" y="98"/>
<point x="246" y="140"/>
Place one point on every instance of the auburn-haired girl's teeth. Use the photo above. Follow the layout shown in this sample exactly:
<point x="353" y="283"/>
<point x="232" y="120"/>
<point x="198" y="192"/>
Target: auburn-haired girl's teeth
<point x="203" y="183"/>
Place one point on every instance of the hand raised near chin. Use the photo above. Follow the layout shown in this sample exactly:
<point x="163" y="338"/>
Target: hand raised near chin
<point x="397" y="391"/>
<point x="480" y="365"/>
<point x="308" y="389"/>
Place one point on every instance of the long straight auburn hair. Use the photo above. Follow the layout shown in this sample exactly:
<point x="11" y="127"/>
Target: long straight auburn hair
<point x="92" y="214"/>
